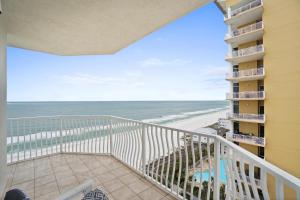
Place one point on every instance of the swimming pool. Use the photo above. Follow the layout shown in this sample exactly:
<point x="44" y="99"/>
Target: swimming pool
<point x="205" y="174"/>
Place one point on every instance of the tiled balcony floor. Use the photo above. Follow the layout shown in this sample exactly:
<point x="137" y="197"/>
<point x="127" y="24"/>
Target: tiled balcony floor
<point x="48" y="177"/>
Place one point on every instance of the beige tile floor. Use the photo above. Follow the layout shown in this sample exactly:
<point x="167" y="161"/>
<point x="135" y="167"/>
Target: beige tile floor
<point x="47" y="177"/>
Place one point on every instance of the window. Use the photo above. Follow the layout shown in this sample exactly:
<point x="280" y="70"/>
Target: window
<point x="261" y="152"/>
<point x="235" y="68"/>
<point x="260" y="64"/>
<point x="235" y="87"/>
<point x="236" y="127"/>
<point x="236" y="108"/>
<point x="261" y="130"/>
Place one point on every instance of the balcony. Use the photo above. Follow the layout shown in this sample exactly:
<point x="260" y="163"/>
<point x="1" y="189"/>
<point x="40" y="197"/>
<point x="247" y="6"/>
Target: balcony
<point x="247" y="139"/>
<point x="246" y="75"/>
<point x="48" y="156"/>
<point x="246" y="34"/>
<point x="246" y="54"/>
<point x="245" y="117"/>
<point x="245" y="14"/>
<point x="248" y="95"/>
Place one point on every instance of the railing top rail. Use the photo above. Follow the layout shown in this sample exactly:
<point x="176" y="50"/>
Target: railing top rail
<point x="251" y="47"/>
<point x="246" y="29"/>
<point x="248" y="5"/>
<point x="247" y="92"/>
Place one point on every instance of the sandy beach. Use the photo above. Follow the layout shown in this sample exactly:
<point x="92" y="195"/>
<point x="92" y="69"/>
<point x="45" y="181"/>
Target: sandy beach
<point x="199" y="122"/>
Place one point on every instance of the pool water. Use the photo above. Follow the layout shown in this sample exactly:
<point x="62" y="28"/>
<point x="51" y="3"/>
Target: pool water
<point x="205" y="174"/>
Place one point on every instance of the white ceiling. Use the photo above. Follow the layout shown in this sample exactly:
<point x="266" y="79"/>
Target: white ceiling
<point x="81" y="27"/>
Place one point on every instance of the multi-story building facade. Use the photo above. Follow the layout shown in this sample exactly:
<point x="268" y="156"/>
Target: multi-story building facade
<point x="246" y="75"/>
<point x="264" y="75"/>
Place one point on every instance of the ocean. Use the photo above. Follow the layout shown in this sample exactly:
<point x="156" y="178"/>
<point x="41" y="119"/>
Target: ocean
<point x="159" y="112"/>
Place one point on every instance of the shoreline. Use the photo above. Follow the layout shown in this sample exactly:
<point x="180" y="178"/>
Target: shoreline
<point x="199" y="123"/>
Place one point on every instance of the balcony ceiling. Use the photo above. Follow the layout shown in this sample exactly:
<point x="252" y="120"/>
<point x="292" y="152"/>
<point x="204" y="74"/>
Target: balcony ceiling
<point x="86" y="27"/>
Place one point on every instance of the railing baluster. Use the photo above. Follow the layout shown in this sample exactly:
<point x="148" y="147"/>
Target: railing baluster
<point x="144" y="149"/>
<point x="279" y="189"/>
<point x="36" y="139"/>
<point x="180" y="162"/>
<point x="150" y="149"/>
<point x="245" y="181"/>
<point x="163" y="157"/>
<point x="135" y="145"/>
<point x="110" y="136"/>
<point x="252" y="181"/>
<point x="107" y="136"/>
<point x="158" y="155"/>
<point x="186" y="165"/>
<point x="168" y="149"/>
<point x="174" y="160"/>
<point x="209" y="168"/>
<point x="193" y="165"/>
<point x="11" y="134"/>
<point x="30" y="134"/>
<point x="237" y="175"/>
<point x="201" y="165"/>
<point x="217" y="169"/>
<point x="264" y="186"/>
<point x="154" y="152"/>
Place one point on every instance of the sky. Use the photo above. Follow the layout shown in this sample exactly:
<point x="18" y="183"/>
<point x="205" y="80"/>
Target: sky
<point x="183" y="60"/>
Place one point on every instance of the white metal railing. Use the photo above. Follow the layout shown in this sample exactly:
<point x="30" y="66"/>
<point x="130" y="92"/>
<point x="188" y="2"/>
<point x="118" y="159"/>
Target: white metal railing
<point x="248" y="51"/>
<point x="247" y="73"/>
<point x="246" y="138"/>
<point x="246" y="95"/>
<point x="246" y="29"/>
<point x="168" y="157"/>
<point x="246" y="7"/>
<point x="246" y="116"/>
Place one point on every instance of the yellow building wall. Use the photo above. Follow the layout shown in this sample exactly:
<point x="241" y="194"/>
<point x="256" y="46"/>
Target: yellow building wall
<point x="282" y="84"/>
<point x="248" y="65"/>
<point x="246" y="127"/>
<point x="252" y="148"/>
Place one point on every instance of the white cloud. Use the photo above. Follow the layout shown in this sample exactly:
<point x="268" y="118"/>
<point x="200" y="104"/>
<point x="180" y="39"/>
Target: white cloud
<point x="126" y="78"/>
<point x="156" y="62"/>
<point x="87" y="79"/>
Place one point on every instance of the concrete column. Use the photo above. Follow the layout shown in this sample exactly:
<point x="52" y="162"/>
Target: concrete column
<point x="3" y="97"/>
<point x="230" y="82"/>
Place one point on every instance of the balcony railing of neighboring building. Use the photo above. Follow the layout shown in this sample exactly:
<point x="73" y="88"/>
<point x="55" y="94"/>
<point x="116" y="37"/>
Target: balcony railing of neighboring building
<point x="246" y="117"/>
<point x="260" y="141"/>
<point x="246" y="73"/>
<point x="244" y="30"/>
<point x="246" y="95"/>
<point x="167" y="157"/>
<point x="246" y="7"/>
<point x="248" y="51"/>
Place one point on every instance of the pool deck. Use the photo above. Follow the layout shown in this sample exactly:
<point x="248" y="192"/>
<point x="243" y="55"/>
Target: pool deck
<point x="48" y="177"/>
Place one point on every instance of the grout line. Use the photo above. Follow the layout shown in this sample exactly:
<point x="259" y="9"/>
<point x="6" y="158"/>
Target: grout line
<point x="55" y="175"/>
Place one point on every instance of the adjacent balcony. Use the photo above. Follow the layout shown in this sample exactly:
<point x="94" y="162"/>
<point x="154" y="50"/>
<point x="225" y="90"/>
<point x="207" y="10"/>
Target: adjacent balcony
<point x="247" y="95"/>
<point x="64" y="156"/>
<point x="247" y="139"/>
<point x="245" y="14"/>
<point x="246" y="75"/>
<point x="245" y="117"/>
<point x="246" y="54"/>
<point x="246" y="34"/>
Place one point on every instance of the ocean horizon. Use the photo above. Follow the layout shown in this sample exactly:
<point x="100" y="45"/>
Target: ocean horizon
<point x="149" y="111"/>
